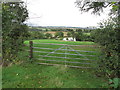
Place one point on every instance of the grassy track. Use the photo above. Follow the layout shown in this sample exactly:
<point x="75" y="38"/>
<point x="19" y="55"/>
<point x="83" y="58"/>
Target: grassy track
<point x="32" y="75"/>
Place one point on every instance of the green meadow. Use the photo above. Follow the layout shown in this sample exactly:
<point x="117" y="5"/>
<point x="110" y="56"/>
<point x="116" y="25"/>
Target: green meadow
<point x="30" y="74"/>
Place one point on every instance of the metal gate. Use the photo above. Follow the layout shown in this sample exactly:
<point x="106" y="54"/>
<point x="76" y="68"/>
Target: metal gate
<point x="63" y="54"/>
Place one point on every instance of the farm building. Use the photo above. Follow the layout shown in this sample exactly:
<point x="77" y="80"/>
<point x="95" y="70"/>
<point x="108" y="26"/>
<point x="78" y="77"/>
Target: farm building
<point x="69" y="39"/>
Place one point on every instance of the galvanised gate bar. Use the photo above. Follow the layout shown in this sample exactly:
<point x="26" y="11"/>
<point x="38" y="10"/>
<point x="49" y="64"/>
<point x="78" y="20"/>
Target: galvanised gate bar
<point x="62" y="54"/>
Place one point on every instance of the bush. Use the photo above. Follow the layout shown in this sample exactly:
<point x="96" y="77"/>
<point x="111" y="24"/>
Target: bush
<point x="106" y="37"/>
<point x="14" y="30"/>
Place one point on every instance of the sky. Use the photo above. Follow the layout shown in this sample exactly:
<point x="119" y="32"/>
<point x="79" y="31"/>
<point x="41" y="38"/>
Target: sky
<point x="60" y="13"/>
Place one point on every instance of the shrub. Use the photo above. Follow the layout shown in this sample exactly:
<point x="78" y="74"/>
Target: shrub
<point x="14" y="30"/>
<point x="106" y="37"/>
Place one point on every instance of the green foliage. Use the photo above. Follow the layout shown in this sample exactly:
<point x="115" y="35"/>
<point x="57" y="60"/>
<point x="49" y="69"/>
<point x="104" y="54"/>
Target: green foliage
<point x="69" y="30"/>
<point x="72" y="34"/>
<point x="59" y="34"/>
<point x="46" y="30"/>
<point x="36" y="35"/>
<point x="14" y="31"/>
<point x="106" y="37"/>
<point x="69" y="34"/>
<point x="115" y="82"/>
<point x="48" y="35"/>
<point x="75" y="34"/>
<point x="87" y="38"/>
<point x="97" y="7"/>
<point x="78" y="34"/>
<point x="87" y="30"/>
<point x="57" y="29"/>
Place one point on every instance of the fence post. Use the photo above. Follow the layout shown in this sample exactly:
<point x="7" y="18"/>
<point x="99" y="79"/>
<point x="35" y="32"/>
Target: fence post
<point x="31" y="50"/>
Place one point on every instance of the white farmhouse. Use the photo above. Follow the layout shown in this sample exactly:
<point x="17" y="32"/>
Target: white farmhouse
<point x="69" y="39"/>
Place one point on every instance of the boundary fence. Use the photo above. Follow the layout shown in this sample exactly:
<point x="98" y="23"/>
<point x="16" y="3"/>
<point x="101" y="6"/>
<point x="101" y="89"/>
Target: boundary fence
<point x="63" y="47"/>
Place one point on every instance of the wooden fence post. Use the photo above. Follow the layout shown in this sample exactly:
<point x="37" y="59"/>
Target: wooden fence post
<point x="31" y="49"/>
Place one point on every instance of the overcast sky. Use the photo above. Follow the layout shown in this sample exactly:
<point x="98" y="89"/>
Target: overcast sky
<point x="60" y="13"/>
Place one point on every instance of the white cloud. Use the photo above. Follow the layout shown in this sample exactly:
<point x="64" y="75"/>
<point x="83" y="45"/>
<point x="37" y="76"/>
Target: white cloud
<point x="60" y="13"/>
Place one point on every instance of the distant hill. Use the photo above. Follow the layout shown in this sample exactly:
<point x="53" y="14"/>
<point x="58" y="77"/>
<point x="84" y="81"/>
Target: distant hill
<point x="61" y="27"/>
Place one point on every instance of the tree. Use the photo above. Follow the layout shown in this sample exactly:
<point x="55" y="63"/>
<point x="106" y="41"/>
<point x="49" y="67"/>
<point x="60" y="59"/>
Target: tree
<point x="36" y="35"/>
<point x="48" y="35"/>
<point x="69" y="30"/>
<point x="73" y="34"/>
<point x="78" y="35"/>
<point x="14" y="30"/>
<point x="69" y="34"/>
<point x="108" y="36"/>
<point x="59" y="34"/>
<point x="97" y="7"/>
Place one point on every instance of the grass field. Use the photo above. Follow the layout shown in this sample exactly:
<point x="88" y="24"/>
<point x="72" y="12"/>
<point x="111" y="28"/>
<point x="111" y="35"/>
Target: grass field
<point x="67" y="55"/>
<point x="31" y="75"/>
<point x="61" y="42"/>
